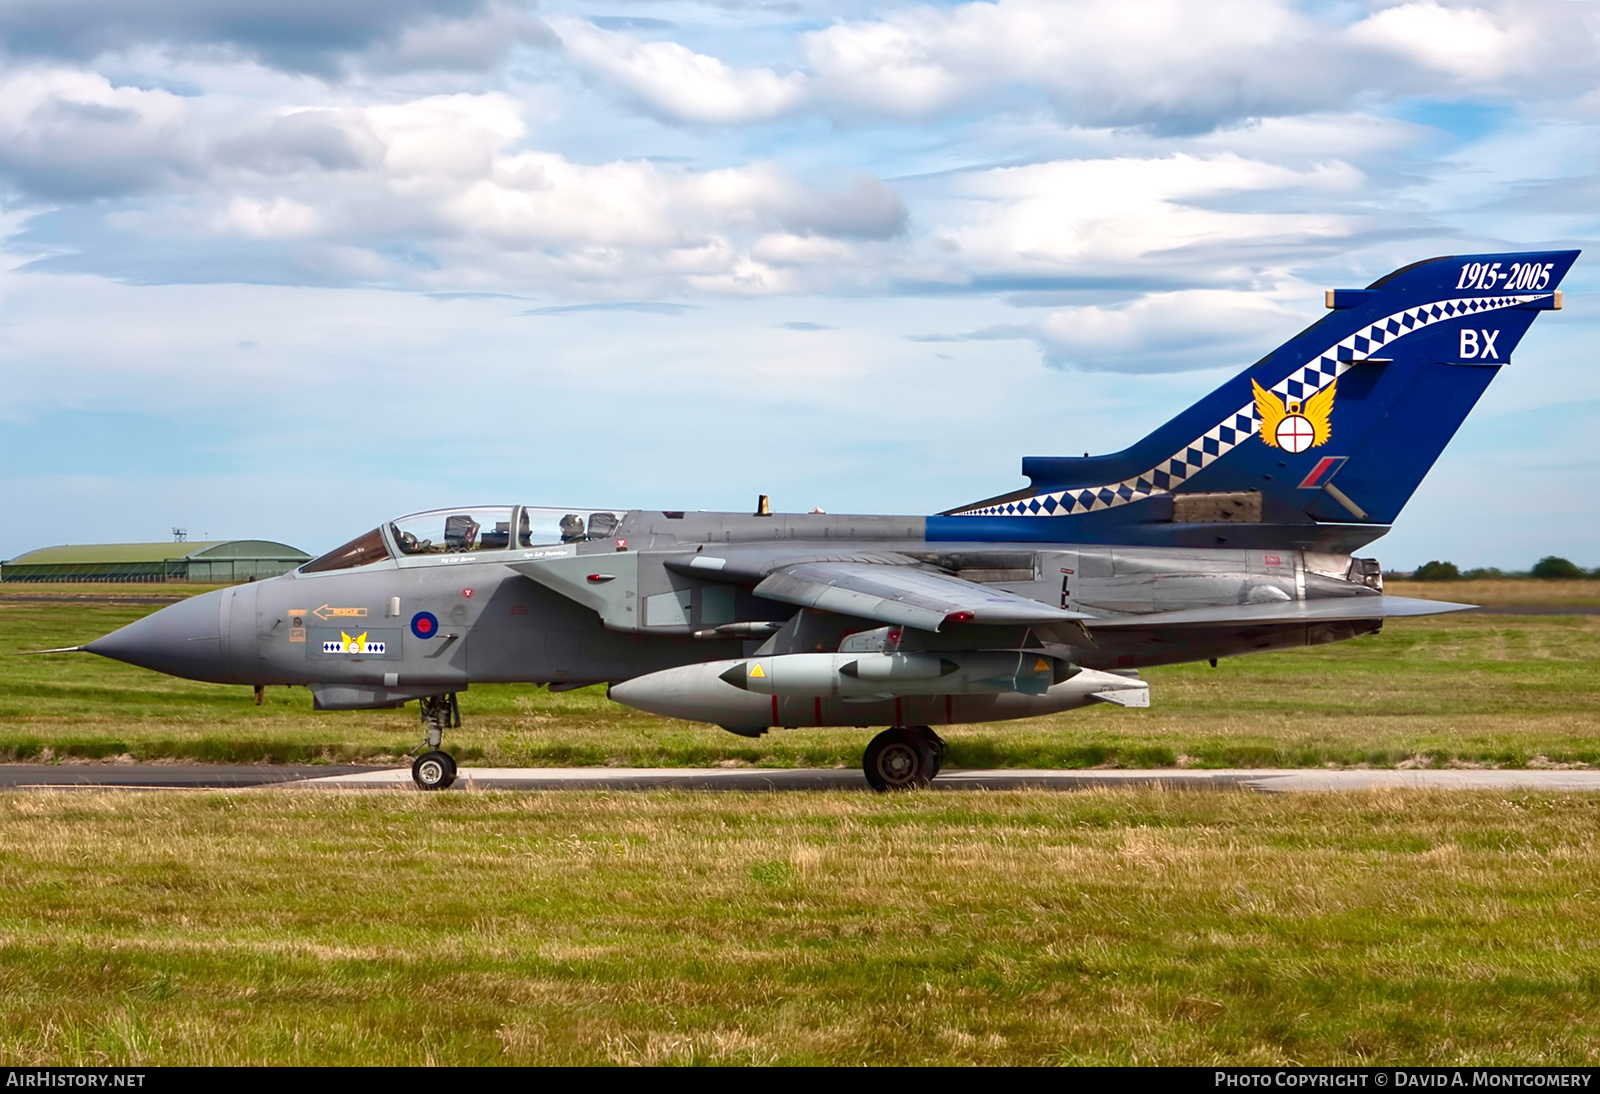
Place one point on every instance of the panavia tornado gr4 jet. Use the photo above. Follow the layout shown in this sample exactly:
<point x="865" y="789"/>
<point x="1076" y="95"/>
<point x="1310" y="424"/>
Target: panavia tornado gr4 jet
<point x="1228" y="530"/>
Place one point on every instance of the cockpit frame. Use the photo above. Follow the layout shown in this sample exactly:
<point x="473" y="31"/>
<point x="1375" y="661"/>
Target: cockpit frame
<point x="405" y="541"/>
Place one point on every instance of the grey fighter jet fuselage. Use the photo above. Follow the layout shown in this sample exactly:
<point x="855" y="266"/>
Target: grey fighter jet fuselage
<point x="756" y="622"/>
<point x="1224" y="532"/>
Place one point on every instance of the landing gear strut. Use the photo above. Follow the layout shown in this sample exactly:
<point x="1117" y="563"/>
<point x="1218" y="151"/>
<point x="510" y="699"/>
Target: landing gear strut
<point x="903" y="758"/>
<point x="434" y="769"/>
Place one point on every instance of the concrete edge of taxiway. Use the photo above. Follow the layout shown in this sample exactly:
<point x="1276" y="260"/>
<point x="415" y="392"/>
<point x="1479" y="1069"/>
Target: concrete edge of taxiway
<point x="322" y="777"/>
<point x="1267" y="781"/>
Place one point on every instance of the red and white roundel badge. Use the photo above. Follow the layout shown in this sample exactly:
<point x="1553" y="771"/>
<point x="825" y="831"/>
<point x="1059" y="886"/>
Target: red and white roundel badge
<point x="1292" y="425"/>
<point x="467" y="593"/>
<point x="1294" y="433"/>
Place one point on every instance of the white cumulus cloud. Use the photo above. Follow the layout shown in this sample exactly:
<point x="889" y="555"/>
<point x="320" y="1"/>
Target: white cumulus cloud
<point x="1099" y="218"/>
<point x="70" y="133"/>
<point x="1161" y="332"/>
<point x="677" y="83"/>
<point x="1465" y="42"/>
<point x="1183" y="67"/>
<point x="1102" y="62"/>
<point x="437" y="191"/>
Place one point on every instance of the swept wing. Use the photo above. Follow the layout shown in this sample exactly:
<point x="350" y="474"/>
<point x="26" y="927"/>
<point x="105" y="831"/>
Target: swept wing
<point x="903" y="595"/>
<point x="1289" y="612"/>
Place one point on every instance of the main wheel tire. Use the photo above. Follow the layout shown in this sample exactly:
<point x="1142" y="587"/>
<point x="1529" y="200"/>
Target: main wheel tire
<point x="434" y="770"/>
<point x="898" y="759"/>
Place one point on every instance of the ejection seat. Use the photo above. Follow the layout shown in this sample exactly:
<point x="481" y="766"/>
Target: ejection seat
<point x="460" y="532"/>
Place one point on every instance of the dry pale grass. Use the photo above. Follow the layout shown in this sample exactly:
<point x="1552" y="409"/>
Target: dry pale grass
<point x="1503" y="592"/>
<point x="98" y="590"/>
<point x="1104" y="926"/>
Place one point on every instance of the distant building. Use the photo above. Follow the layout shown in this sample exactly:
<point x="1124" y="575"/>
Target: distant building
<point x="212" y="562"/>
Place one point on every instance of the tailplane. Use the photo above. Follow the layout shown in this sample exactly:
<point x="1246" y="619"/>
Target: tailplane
<point x="1319" y="444"/>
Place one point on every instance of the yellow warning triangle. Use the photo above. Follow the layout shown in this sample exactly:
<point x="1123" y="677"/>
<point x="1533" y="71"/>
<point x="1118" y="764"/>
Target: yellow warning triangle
<point x="1041" y="665"/>
<point x="755" y="670"/>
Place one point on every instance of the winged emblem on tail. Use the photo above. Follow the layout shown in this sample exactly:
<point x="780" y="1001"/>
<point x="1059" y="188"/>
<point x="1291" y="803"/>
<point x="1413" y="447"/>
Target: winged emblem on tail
<point x="1293" y="426"/>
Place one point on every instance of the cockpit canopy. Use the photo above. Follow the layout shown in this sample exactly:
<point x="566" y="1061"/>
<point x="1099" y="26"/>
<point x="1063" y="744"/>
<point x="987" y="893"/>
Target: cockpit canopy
<point x="453" y="531"/>
<point x="470" y="530"/>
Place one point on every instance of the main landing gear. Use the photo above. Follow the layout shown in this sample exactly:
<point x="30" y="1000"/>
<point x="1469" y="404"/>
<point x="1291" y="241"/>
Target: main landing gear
<point x="903" y="758"/>
<point x="435" y="770"/>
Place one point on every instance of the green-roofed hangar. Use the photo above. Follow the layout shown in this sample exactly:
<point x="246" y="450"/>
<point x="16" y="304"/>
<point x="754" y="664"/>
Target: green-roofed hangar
<point x="211" y="562"/>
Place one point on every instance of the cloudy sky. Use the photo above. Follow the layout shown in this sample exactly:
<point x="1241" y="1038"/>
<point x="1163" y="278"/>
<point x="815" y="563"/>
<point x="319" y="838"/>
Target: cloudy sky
<point x="283" y="269"/>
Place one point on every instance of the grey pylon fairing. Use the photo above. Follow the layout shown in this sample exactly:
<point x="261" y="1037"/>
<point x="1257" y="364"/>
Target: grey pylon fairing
<point x="1045" y="600"/>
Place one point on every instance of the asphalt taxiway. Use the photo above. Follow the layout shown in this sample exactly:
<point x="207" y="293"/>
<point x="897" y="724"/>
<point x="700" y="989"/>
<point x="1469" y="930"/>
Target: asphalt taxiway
<point x="329" y="777"/>
<point x="166" y="776"/>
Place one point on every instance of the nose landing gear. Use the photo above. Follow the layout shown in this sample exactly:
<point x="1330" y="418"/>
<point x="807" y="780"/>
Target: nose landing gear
<point x="435" y="769"/>
<point x="903" y="758"/>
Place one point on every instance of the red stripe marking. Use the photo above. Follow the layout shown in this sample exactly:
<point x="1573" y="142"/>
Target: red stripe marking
<point x="949" y="710"/>
<point x="1317" y="472"/>
<point x="774" y="710"/>
<point x="899" y="718"/>
<point x="817" y="706"/>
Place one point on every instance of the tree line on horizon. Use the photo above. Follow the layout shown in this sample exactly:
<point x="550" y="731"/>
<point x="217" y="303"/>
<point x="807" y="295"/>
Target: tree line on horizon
<point x="1549" y="568"/>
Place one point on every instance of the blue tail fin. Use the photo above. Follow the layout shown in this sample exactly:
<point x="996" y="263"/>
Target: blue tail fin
<point x="1319" y="444"/>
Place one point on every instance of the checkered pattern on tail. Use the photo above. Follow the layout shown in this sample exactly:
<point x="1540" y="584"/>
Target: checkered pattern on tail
<point x="1227" y="434"/>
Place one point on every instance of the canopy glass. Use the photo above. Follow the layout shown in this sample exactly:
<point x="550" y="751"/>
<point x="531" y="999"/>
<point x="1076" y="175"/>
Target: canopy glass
<point x="470" y="530"/>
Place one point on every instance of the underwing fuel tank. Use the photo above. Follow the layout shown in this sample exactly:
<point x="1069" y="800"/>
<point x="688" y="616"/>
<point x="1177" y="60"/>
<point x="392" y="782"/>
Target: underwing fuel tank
<point x="702" y="693"/>
<point x="885" y="675"/>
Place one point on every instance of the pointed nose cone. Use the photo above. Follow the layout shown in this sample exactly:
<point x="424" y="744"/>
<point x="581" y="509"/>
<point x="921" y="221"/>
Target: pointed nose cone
<point x="183" y="639"/>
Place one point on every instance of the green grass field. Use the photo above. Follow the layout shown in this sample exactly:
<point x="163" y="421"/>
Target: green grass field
<point x="292" y="926"/>
<point x="1461" y="689"/>
<point x="1109" y="926"/>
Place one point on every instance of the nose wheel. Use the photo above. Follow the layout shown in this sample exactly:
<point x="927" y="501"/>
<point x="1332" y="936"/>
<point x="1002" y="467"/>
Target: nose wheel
<point x="436" y="769"/>
<point x="903" y="758"/>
